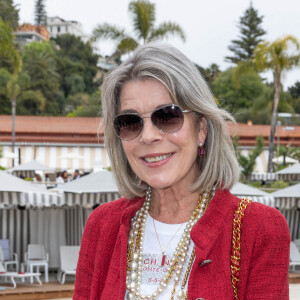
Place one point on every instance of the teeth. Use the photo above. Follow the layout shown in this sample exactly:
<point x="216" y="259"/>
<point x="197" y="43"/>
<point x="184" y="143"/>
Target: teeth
<point x="156" y="158"/>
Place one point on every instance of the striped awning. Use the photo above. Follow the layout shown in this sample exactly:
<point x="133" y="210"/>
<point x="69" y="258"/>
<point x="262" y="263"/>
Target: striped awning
<point x="55" y="156"/>
<point x="286" y="203"/>
<point x="11" y="199"/>
<point x="289" y="177"/>
<point x="47" y="199"/>
<point x="30" y="199"/>
<point x="293" y="219"/>
<point x="89" y="200"/>
<point x="264" y="176"/>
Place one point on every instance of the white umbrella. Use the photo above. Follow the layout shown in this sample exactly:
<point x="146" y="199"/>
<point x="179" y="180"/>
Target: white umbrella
<point x="10" y="155"/>
<point x="32" y="165"/>
<point x="11" y="183"/>
<point x="98" y="182"/>
<point x="288" y="160"/>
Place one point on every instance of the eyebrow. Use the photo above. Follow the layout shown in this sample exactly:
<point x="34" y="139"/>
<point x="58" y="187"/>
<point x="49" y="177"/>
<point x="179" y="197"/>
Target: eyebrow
<point x="133" y="111"/>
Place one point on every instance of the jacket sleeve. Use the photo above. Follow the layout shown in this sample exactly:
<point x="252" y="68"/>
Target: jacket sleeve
<point x="269" y="262"/>
<point x="85" y="265"/>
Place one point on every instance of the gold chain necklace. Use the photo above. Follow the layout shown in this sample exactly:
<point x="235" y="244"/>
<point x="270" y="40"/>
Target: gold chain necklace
<point x="174" y="270"/>
<point x="163" y="252"/>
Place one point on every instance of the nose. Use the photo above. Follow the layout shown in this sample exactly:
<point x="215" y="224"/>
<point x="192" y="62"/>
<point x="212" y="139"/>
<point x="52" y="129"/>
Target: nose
<point x="150" y="134"/>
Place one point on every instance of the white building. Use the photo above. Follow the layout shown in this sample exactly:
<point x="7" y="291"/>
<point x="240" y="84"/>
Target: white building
<point x="57" y="26"/>
<point x="27" y="33"/>
<point x="26" y="37"/>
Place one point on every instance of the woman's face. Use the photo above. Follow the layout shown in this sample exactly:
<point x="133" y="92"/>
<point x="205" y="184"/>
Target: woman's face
<point x="160" y="159"/>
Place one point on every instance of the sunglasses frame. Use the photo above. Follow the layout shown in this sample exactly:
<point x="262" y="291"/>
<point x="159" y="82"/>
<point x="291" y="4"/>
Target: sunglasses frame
<point x="150" y="117"/>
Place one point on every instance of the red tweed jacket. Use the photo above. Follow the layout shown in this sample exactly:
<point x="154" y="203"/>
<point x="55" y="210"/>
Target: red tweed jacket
<point x="101" y="269"/>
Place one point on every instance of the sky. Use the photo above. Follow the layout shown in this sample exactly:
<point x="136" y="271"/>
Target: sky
<point x="209" y="25"/>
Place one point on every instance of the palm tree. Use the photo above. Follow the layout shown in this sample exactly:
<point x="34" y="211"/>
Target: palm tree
<point x="278" y="56"/>
<point x="142" y="14"/>
<point x="9" y="56"/>
<point x="13" y="90"/>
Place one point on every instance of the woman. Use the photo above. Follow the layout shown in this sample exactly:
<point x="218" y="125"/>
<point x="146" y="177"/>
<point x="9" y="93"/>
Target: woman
<point x="171" y="236"/>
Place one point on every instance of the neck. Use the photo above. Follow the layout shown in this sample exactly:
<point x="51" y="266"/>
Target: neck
<point x="172" y="206"/>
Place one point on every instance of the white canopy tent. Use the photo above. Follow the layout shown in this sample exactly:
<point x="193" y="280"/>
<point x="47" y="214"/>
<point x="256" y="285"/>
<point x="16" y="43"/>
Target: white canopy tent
<point x="29" y="168"/>
<point x="15" y="191"/>
<point x="288" y="197"/>
<point x="287" y="159"/>
<point x="87" y="191"/>
<point x="22" y="223"/>
<point x="97" y="182"/>
<point x="242" y="190"/>
<point x="291" y="173"/>
<point x="288" y="202"/>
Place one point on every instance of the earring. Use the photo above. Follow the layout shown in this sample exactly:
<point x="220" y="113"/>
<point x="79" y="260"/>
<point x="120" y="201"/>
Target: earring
<point x="201" y="151"/>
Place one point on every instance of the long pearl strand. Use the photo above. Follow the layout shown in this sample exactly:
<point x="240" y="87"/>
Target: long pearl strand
<point x="135" y="250"/>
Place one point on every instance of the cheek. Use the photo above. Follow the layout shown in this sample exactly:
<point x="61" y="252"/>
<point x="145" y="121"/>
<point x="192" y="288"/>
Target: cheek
<point x="128" y="149"/>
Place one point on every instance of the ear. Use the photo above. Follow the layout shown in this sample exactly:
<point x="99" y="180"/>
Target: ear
<point x="202" y="130"/>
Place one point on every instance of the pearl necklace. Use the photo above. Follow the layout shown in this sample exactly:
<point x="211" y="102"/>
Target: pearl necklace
<point x="177" y="262"/>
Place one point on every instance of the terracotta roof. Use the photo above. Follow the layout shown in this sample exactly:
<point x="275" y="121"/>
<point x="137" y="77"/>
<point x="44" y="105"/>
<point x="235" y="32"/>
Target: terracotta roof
<point x="50" y="129"/>
<point x="42" y="30"/>
<point x="288" y="135"/>
<point x="84" y="131"/>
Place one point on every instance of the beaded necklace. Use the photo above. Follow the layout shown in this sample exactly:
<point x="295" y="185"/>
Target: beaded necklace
<point x="178" y="260"/>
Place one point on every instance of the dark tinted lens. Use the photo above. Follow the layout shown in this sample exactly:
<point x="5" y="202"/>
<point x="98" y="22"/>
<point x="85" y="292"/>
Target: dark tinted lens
<point x="168" y="119"/>
<point x="128" y="126"/>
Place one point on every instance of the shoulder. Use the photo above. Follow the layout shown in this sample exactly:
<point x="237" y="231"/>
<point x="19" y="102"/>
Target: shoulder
<point x="260" y="219"/>
<point x="266" y="214"/>
<point x="268" y="222"/>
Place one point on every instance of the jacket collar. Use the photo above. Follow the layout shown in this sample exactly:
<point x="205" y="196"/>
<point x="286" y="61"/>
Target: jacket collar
<point x="130" y="211"/>
<point x="211" y="224"/>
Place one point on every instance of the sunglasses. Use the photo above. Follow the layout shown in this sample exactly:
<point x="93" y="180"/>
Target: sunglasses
<point x="168" y="119"/>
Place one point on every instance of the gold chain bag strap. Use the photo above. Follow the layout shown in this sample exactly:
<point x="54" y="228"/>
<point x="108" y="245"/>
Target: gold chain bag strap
<point x="236" y="244"/>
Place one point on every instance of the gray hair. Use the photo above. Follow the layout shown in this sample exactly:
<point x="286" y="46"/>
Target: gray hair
<point x="187" y="89"/>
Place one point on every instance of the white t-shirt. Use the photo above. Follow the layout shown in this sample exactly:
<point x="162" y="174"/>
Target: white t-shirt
<point x="153" y="271"/>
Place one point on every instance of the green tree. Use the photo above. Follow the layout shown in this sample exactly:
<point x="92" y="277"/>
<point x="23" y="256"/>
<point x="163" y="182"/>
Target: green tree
<point x="278" y="56"/>
<point x="9" y="13"/>
<point x="5" y="105"/>
<point x="15" y="94"/>
<point x="236" y="97"/>
<point x="248" y="162"/>
<point x="142" y="15"/>
<point x="75" y="59"/>
<point x="31" y="103"/>
<point x="40" y="15"/>
<point x="290" y="151"/>
<point x="210" y="74"/>
<point x="39" y="63"/>
<point x="86" y="105"/>
<point x="75" y="84"/>
<point x="251" y="32"/>
<point x="9" y="56"/>
<point x="295" y="90"/>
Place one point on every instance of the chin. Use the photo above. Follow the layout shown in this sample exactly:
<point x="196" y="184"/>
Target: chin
<point x="158" y="183"/>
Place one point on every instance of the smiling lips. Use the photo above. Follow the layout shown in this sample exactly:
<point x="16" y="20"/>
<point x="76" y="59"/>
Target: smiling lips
<point x="158" y="158"/>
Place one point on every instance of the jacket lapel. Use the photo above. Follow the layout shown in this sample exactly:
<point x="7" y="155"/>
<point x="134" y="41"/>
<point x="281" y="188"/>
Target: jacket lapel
<point x="205" y="233"/>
